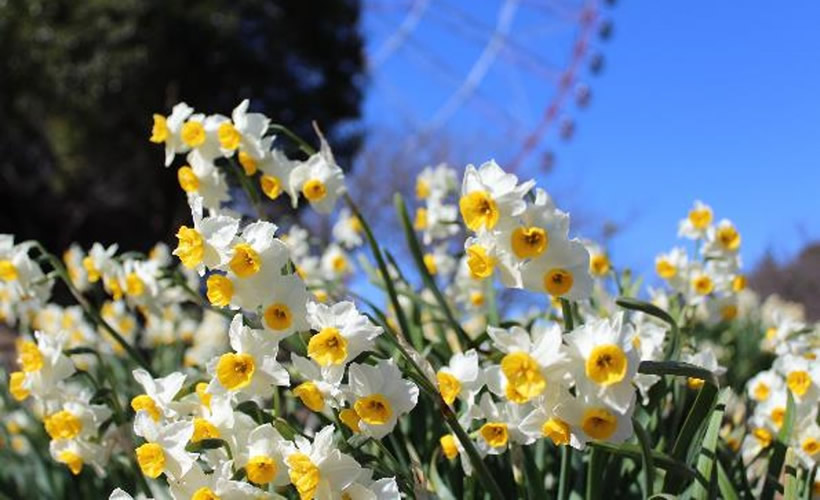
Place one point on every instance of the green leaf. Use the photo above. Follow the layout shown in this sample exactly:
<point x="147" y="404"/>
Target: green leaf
<point x="595" y="471"/>
<point x="790" y="489"/>
<point x="648" y="462"/>
<point x="661" y="460"/>
<point x="727" y="489"/>
<point x="680" y="369"/>
<point x="698" y="415"/>
<point x="653" y="310"/>
<point x="707" y="457"/>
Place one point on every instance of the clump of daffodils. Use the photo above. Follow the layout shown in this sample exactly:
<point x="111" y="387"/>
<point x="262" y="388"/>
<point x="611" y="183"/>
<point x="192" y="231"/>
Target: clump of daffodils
<point x="255" y="358"/>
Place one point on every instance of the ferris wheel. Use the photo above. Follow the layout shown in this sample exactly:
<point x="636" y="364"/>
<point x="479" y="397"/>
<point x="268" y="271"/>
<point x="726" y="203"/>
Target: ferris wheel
<point x="511" y="73"/>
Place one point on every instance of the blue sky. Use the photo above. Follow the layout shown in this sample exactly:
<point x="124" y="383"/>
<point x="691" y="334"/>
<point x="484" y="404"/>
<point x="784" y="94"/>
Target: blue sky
<point x="698" y="100"/>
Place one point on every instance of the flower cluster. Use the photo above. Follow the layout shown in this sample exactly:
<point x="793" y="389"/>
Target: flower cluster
<point x="261" y="359"/>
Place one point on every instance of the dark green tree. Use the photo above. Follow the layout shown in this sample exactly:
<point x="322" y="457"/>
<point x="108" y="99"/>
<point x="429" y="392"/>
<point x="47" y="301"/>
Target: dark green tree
<point x="80" y="79"/>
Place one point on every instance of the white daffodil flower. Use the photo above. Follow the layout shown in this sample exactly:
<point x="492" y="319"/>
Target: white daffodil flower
<point x="605" y="360"/>
<point x="252" y="369"/>
<point x="489" y="196"/>
<point x="461" y="378"/>
<point x="43" y="367"/>
<point x="532" y="364"/>
<point x="317" y="392"/>
<point x="261" y="457"/>
<point x="195" y="484"/>
<point x="208" y="243"/>
<point x="319" y="179"/>
<point x="380" y="396"/>
<point x="164" y="450"/>
<point x="348" y="229"/>
<point x="343" y="334"/>
<point x="590" y="418"/>
<point x="158" y="399"/>
<point x="435" y="183"/>
<point x="502" y="425"/>
<point x="319" y="470"/>
<point x="561" y="271"/>
<point x="697" y="223"/>
<point x="168" y="131"/>
<point x="543" y="422"/>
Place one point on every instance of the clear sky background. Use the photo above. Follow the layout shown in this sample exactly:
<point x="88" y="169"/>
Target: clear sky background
<point x="715" y="101"/>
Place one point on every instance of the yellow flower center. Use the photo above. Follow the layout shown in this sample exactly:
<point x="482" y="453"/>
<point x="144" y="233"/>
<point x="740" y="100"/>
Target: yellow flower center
<point x="481" y="265"/>
<point x="310" y="395"/>
<point x="7" y="271"/>
<point x="278" y="316"/>
<point x="761" y="391"/>
<point x="134" y="286"/>
<point x="495" y="434"/>
<point x="151" y="459"/>
<point x="420" y="222"/>
<point x="694" y="383"/>
<point x="248" y="163"/>
<point x="143" y="402"/>
<point x="204" y="493"/>
<point x="810" y="445"/>
<point x="763" y="436"/>
<point x="73" y="461"/>
<point x="63" y="425"/>
<point x="303" y="474"/>
<point x="159" y="131"/>
<point x="31" y="360"/>
<point x="430" y="263"/>
<point x="16" y="388"/>
<point x="599" y="423"/>
<point x="448" y="446"/>
<point x="557" y="430"/>
<point x="739" y="283"/>
<point x="599" y="264"/>
<point x="204" y="396"/>
<point x="778" y="414"/>
<point x="314" y="190"/>
<point x="91" y="269"/>
<point x="188" y="180"/>
<point x="700" y="217"/>
<point x="204" y="430"/>
<point x="422" y="189"/>
<point x="261" y="469"/>
<point x="799" y="382"/>
<point x="665" y="269"/>
<point x="190" y="248"/>
<point x="350" y="418"/>
<point x="271" y="186"/>
<point x="339" y="263"/>
<point x="245" y="261"/>
<point x="228" y="136"/>
<point x="558" y="281"/>
<point x="476" y="299"/>
<point x="524" y="379"/>
<point x="478" y="210"/>
<point x="374" y="409"/>
<point x="529" y="242"/>
<point x="193" y="134"/>
<point x="729" y="312"/>
<point x="703" y="284"/>
<point x="220" y="290"/>
<point x="355" y="224"/>
<point x="606" y="364"/>
<point x="328" y="347"/>
<point x="235" y="371"/>
<point x="448" y="386"/>
<point x="729" y="238"/>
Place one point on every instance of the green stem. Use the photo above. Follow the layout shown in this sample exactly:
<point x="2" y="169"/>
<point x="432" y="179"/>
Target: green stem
<point x="304" y="146"/>
<point x="563" y="478"/>
<point x="566" y="312"/>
